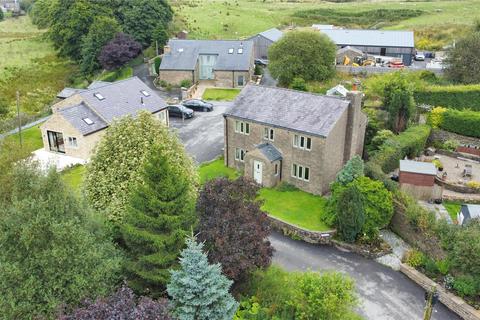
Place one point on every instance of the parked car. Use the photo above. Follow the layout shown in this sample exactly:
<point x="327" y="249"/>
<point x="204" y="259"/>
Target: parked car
<point x="198" y="105"/>
<point x="396" y="64"/>
<point x="419" y="56"/>
<point x="261" y="62"/>
<point x="178" y="110"/>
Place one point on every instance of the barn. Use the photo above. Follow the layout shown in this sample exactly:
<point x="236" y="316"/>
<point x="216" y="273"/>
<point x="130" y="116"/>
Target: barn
<point x="398" y="44"/>
<point x="263" y="40"/>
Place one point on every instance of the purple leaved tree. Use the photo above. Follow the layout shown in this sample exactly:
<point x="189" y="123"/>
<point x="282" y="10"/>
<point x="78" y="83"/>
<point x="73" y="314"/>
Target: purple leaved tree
<point x="120" y="50"/>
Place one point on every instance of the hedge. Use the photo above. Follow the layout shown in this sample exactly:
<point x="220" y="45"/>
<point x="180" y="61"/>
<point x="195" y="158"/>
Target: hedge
<point x="409" y="143"/>
<point x="455" y="97"/>
<point x="466" y="122"/>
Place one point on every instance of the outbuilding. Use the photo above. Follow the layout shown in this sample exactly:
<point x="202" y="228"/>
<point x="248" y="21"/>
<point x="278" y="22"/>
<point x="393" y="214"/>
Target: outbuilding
<point x="468" y="212"/>
<point x="418" y="179"/>
<point x="400" y="44"/>
<point x="263" y="40"/>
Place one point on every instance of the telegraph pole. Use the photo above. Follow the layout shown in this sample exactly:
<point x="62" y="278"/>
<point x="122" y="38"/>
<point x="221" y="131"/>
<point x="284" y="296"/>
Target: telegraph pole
<point x="19" y="120"/>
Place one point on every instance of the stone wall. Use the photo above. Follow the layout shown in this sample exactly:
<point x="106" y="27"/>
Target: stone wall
<point x="454" y="154"/>
<point x="451" y="301"/>
<point x="456" y="187"/>
<point x="442" y="135"/>
<point x="174" y="77"/>
<point x="295" y="232"/>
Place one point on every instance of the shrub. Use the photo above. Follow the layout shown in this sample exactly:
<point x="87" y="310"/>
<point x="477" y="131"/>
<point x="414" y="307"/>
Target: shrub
<point x="352" y="170"/>
<point x="462" y="62"/>
<point x="380" y="138"/>
<point x="464" y="122"/>
<point x="258" y="70"/>
<point x="157" y="61"/>
<point x="443" y="266"/>
<point x="451" y="145"/>
<point x="465" y="286"/>
<point x="414" y="258"/>
<point x="186" y="83"/>
<point x="298" y="84"/>
<point x="437" y="163"/>
<point x="350" y="214"/>
<point x="453" y="96"/>
<point x="473" y="184"/>
<point x="398" y="101"/>
<point x="430" y="267"/>
<point x="435" y="118"/>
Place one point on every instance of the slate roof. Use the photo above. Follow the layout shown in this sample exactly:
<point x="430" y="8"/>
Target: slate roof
<point x="470" y="211"/>
<point x="68" y="92"/>
<point x="370" y="38"/>
<point x="120" y="98"/>
<point x="184" y="54"/>
<point x="272" y="34"/>
<point x="295" y="110"/>
<point x="270" y="152"/>
<point x="427" y="168"/>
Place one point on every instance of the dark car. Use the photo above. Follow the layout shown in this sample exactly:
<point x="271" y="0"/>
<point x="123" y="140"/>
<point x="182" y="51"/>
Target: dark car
<point x="198" y="105"/>
<point x="261" y="62"/>
<point x="178" y="110"/>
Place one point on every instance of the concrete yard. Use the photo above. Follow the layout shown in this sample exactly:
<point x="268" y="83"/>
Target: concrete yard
<point x="454" y="168"/>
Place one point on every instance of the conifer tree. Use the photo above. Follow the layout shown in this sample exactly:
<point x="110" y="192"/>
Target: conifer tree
<point x="159" y="216"/>
<point x="199" y="290"/>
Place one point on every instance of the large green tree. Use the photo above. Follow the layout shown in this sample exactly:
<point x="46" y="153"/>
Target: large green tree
<point x="350" y="214"/>
<point x="160" y="215"/>
<point x="102" y="30"/>
<point x="198" y="289"/>
<point x="118" y="160"/>
<point x="51" y="253"/>
<point x="305" y="54"/>
<point x="398" y="101"/>
<point x="463" y="61"/>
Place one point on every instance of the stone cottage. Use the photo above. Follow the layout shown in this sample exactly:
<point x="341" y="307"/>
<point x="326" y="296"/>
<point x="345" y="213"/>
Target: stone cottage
<point x="79" y="121"/>
<point x="276" y="134"/>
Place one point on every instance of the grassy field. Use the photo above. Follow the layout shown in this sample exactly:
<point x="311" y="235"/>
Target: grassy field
<point x="220" y="94"/>
<point x="297" y="207"/>
<point x="215" y="169"/>
<point x="28" y="63"/>
<point x="31" y="138"/>
<point x="216" y="19"/>
<point x="74" y="177"/>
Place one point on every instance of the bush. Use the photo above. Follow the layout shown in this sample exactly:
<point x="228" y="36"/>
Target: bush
<point x="352" y="170"/>
<point x="350" y="214"/>
<point x="464" y="122"/>
<point x="414" y="258"/>
<point x="443" y="266"/>
<point x="451" y="145"/>
<point x="186" y="83"/>
<point x="437" y="163"/>
<point x="298" y="84"/>
<point x="465" y="286"/>
<point x="473" y="184"/>
<point x="157" y="61"/>
<point x="453" y="97"/>
<point x="430" y="267"/>
<point x="435" y="118"/>
<point x="258" y="70"/>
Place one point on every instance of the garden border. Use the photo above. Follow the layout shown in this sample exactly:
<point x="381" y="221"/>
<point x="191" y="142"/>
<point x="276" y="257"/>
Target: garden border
<point x="451" y="301"/>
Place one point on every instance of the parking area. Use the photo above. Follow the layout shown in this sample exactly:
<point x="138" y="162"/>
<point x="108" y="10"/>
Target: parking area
<point x="203" y="134"/>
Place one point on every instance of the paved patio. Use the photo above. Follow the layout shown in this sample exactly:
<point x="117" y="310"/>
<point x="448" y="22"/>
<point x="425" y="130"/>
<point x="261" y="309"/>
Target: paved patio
<point x="454" y="168"/>
<point x="48" y="159"/>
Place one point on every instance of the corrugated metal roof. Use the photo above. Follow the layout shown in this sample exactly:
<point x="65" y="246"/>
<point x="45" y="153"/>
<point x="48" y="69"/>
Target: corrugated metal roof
<point x="272" y="34"/>
<point x="376" y="38"/>
<point x="295" y="110"/>
<point x="418" y="167"/>
<point x="184" y="54"/>
<point x="322" y="26"/>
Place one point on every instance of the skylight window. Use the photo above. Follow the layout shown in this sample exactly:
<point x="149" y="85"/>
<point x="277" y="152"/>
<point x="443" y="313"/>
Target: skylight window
<point x="240" y="50"/>
<point x="230" y="51"/>
<point x="99" y="96"/>
<point x="145" y="93"/>
<point x="88" y="121"/>
<point x="180" y="50"/>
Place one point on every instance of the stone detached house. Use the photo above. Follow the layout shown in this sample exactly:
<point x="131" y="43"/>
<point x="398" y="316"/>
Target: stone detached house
<point x="276" y="134"/>
<point x="79" y="120"/>
<point x="221" y="63"/>
<point x="263" y="40"/>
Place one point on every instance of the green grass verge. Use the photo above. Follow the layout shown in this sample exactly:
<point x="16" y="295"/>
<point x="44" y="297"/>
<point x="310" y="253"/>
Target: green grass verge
<point x="215" y="169"/>
<point x="295" y="206"/>
<point x="453" y="208"/>
<point x="220" y="94"/>
<point x="73" y="177"/>
<point x="31" y="138"/>
<point x="115" y="75"/>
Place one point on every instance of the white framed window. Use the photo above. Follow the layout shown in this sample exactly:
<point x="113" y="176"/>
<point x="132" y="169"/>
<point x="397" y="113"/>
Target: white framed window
<point x="240" y="154"/>
<point x="300" y="172"/>
<point x="302" y="142"/>
<point x="72" y="142"/>
<point x="242" y="127"/>
<point x="268" y="133"/>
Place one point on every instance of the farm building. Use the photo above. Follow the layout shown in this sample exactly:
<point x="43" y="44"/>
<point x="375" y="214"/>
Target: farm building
<point x="263" y="41"/>
<point x="418" y="179"/>
<point x="399" y="44"/>
<point x="468" y="212"/>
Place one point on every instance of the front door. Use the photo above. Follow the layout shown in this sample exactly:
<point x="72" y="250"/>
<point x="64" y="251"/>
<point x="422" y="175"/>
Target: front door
<point x="257" y="171"/>
<point x="55" y="141"/>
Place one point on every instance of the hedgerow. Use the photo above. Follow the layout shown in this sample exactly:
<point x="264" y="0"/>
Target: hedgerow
<point x="455" y="96"/>
<point x="464" y="122"/>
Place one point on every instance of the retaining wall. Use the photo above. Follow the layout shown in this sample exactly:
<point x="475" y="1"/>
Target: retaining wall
<point x="451" y="301"/>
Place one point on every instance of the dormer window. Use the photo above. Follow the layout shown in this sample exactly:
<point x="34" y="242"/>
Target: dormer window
<point x="145" y="93"/>
<point x="88" y="121"/>
<point x="240" y="50"/>
<point x="230" y="51"/>
<point x="99" y="96"/>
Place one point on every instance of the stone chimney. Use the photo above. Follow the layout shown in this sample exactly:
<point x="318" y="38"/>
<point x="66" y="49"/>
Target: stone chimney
<point x="356" y="124"/>
<point x="167" y="49"/>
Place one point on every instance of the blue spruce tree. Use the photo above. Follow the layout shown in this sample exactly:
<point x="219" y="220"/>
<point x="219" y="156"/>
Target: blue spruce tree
<point x="198" y="289"/>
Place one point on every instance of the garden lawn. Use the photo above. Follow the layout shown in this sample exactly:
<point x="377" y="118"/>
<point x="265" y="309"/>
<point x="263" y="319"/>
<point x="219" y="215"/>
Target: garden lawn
<point x="73" y="177"/>
<point x="453" y="208"/>
<point x="220" y="94"/>
<point x="118" y="74"/>
<point x="215" y="169"/>
<point x="31" y="138"/>
<point x="296" y="207"/>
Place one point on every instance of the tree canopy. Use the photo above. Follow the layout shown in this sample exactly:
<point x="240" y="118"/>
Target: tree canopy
<point x="305" y="54"/>
<point x="159" y="216"/>
<point x="398" y="100"/>
<point x="462" y="61"/>
<point x="233" y="227"/>
<point x="350" y="214"/>
<point x="120" y="50"/>
<point x="198" y="289"/>
<point x="51" y="252"/>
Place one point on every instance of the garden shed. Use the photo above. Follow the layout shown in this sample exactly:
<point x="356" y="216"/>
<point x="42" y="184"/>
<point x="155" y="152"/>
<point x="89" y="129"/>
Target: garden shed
<point x="418" y="179"/>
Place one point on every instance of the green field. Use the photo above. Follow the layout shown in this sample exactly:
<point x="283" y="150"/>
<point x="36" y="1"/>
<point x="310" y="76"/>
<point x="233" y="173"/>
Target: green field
<point x="31" y="138"/>
<point x="297" y="207"/>
<point x="28" y="63"/>
<point x="233" y="19"/>
<point x="220" y="94"/>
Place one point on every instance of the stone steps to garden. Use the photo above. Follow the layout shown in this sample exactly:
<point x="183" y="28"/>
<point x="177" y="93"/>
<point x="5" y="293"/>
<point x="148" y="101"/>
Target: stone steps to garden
<point x="399" y="248"/>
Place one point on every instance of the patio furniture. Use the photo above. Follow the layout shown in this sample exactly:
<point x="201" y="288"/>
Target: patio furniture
<point x="467" y="172"/>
